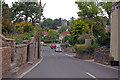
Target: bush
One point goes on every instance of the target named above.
(50, 41)
(104, 39)
(82, 48)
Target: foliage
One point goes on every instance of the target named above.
(63, 28)
(92, 42)
(7, 26)
(21, 11)
(67, 37)
(47, 23)
(52, 24)
(107, 6)
(83, 48)
(99, 27)
(51, 41)
(52, 34)
(78, 27)
(104, 39)
(88, 9)
(57, 22)
(24, 27)
(81, 38)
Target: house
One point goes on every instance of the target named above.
(115, 32)
(63, 34)
(45, 34)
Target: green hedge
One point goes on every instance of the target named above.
(82, 48)
(50, 41)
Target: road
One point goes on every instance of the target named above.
(59, 65)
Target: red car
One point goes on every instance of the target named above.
(53, 46)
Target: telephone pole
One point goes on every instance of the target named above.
(39, 45)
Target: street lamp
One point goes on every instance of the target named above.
(39, 45)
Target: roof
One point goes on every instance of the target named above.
(44, 32)
(65, 33)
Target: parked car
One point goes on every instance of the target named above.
(44, 44)
(53, 46)
(106, 46)
(58, 48)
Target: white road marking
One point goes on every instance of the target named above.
(69, 55)
(22, 75)
(91, 75)
(104, 65)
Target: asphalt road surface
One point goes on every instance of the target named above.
(59, 65)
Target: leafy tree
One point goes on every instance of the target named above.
(24, 10)
(57, 22)
(88, 10)
(52, 35)
(107, 6)
(99, 27)
(7, 26)
(62, 29)
(78, 27)
(47, 23)
(67, 37)
(104, 39)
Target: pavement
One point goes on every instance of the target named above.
(61, 65)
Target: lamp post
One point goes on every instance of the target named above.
(39, 45)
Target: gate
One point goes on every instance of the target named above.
(28, 52)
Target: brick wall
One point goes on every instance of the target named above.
(102, 55)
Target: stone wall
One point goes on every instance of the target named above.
(68, 50)
(15, 56)
(102, 55)
(6, 59)
(84, 56)
(20, 54)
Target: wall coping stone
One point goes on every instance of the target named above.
(21, 45)
(6, 39)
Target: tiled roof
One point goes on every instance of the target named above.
(44, 32)
(65, 33)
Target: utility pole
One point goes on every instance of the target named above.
(39, 45)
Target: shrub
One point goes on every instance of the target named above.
(104, 39)
(51, 41)
(17, 41)
(92, 42)
(82, 48)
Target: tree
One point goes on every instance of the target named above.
(24, 10)
(7, 26)
(62, 29)
(88, 10)
(78, 27)
(67, 37)
(107, 6)
(99, 26)
(47, 23)
(52, 35)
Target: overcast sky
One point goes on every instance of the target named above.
(57, 8)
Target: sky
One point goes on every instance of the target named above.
(57, 8)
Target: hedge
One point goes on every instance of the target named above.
(83, 48)
(50, 41)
